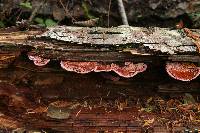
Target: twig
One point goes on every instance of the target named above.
(109, 12)
(88, 23)
(67, 12)
(122, 12)
(78, 112)
(17, 18)
(36, 10)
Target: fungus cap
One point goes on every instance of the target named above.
(182, 71)
(103, 68)
(129, 69)
(38, 61)
(79, 67)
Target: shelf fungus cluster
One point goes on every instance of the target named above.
(177, 70)
(127, 70)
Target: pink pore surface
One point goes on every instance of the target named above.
(182, 71)
(79, 67)
(128, 70)
(38, 61)
(103, 68)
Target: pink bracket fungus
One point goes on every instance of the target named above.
(38, 61)
(79, 67)
(182, 71)
(103, 68)
(127, 71)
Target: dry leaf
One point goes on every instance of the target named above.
(58, 13)
(148, 122)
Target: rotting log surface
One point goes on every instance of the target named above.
(51, 98)
(123, 43)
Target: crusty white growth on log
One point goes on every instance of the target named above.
(170, 41)
(154, 39)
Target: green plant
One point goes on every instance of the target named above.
(39, 21)
(50, 22)
(26, 5)
(86, 11)
(45, 22)
(188, 99)
(2, 25)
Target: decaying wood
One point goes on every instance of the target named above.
(104, 44)
(51, 98)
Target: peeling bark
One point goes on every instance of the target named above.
(103, 44)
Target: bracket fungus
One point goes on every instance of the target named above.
(182, 71)
(127, 70)
(78, 67)
(103, 67)
(38, 61)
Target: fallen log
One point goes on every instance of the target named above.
(45, 96)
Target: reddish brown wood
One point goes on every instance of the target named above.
(50, 97)
(90, 102)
